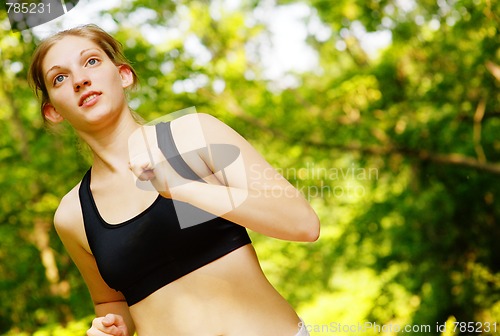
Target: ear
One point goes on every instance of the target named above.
(49, 111)
(126, 75)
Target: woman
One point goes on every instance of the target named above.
(146, 269)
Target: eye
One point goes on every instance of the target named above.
(58, 79)
(93, 61)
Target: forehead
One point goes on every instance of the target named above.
(66, 50)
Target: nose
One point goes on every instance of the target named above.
(83, 81)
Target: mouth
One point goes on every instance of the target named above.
(89, 98)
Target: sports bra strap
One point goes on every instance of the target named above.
(167, 146)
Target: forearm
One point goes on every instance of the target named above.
(276, 212)
(118, 308)
(251, 193)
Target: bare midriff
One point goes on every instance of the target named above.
(229, 297)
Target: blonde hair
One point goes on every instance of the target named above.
(106, 42)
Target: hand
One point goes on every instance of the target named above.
(111, 324)
(148, 163)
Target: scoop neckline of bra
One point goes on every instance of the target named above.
(123, 223)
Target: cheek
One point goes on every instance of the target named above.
(104, 77)
(61, 99)
(114, 83)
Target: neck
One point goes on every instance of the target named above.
(109, 144)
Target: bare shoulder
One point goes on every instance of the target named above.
(68, 210)
(194, 119)
(68, 219)
(194, 131)
(206, 126)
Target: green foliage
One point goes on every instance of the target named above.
(72, 328)
(397, 152)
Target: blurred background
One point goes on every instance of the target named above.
(385, 114)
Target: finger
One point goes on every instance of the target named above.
(95, 332)
(113, 319)
(145, 174)
(97, 328)
(113, 331)
(141, 161)
(114, 325)
(108, 320)
(142, 168)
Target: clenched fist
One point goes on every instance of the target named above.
(148, 163)
(109, 325)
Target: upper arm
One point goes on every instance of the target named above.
(232, 159)
(251, 182)
(68, 222)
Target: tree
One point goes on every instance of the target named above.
(397, 152)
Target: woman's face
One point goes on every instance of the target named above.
(84, 85)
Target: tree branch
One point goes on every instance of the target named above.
(478, 118)
(452, 159)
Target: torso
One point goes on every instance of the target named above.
(229, 296)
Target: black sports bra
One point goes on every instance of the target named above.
(145, 253)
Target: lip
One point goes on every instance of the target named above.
(86, 95)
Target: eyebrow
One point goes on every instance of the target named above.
(58, 67)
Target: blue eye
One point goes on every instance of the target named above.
(92, 61)
(58, 79)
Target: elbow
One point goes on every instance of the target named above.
(309, 227)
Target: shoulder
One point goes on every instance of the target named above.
(207, 126)
(68, 219)
(193, 122)
(196, 117)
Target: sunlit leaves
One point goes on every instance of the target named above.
(416, 242)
